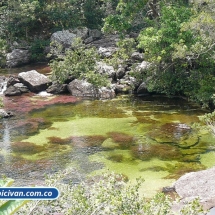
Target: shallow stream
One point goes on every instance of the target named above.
(151, 137)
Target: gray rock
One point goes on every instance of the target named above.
(130, 81)
(57, 88)
(88, 40)
(104, 69)
(120, 72)
(141, 67)
(107, 52)
(12, 91)
(123, 88)
(34, 81)
(82, 88)
(137, 56)
(197, 184)
(12, 80)
(81, 32)
(95, 33)
(142, 89)
(5, 114)
(18, 57)
(106, 93)
(21, 87)
(64, 38)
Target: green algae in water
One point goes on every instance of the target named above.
(84, 126)
(208, 159)
(154, 180)
(118, 127)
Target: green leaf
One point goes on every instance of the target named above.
(6, 182)
(11, 206)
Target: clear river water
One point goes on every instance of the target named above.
(153, 137)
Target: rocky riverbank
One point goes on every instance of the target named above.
(120, 78)
(192, 185)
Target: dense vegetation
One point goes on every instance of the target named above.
(177, 37)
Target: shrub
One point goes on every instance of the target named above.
(80, 63)
(37, 49)
(108, 194)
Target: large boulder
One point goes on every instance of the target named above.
(82, 88)
(197, 184)
(81, 32)
(35, 81)
(121, 71)
(18, 57)
(67, 37)
(64, 38)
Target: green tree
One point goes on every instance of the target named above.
(158, 42)
(181, 50)
(94, 13)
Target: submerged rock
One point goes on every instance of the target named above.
(177, 133)
(35, 81)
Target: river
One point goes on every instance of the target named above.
(153, 137)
